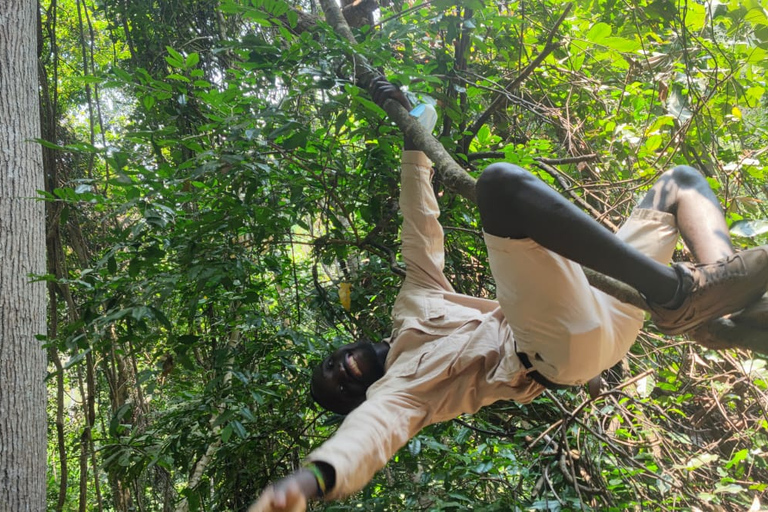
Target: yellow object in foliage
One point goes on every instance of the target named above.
(345, 296)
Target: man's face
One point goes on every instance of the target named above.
(339, 383)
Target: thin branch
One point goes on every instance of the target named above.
(568, 159)
(404, 12)
(484, 431)
(549, 47)
(558, 176)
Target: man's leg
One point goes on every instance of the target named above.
(513, 203)
(685, 193)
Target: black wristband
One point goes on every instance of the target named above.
(329, 474)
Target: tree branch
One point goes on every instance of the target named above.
(558, 176)
(450, 172)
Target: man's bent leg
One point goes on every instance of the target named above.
(731, 281)
(513, 203)
(569, 330)
(685, 193)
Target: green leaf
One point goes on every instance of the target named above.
(414, 447)
(174, 63)
(599, 32)
(293, 18)
(622, 44)
(758, 56)
(226, 433)
(695, 16)
(192, 60)
(739, 456)
(754, 94)
(653, 142)
(729, 489)
(756, 16)
(76, 358)
(698, 461)
(174, 54)
(240, 429)
(180, 78)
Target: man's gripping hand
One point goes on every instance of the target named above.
(287, 495)
(383, 90)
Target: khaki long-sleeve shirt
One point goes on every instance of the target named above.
(450, 353)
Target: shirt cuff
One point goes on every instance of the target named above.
(416, 158)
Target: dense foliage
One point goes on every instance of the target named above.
(222, 203)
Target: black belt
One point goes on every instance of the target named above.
(535, 375)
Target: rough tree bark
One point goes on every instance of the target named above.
(747, 330)
(22, 252)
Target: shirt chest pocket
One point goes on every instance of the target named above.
(422, 313)
(410, 367)
(433, 309)
(443, 317)
(437, 360)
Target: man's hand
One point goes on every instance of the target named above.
(287, 495)
(383, 90)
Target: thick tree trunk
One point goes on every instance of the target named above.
(22, 252)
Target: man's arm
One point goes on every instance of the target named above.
(373, 432)
(291, 493)
(422, 235)
(367, 438)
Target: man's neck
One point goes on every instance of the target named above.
(382, 349)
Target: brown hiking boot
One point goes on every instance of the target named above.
(713, 290)
(744, 330)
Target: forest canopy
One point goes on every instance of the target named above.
(221, 200)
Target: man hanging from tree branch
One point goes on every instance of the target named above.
(451, 354)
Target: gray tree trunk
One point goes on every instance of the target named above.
(22, 252)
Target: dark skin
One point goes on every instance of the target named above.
(334, 386)
(515, 204)
(340, 382)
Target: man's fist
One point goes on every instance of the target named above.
(276, 498)
(287, 495)
(382, 90)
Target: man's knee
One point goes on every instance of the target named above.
(499, 183)
(685, 176)
(672, 185)
(500, 190)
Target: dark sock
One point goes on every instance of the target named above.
(677, 299)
